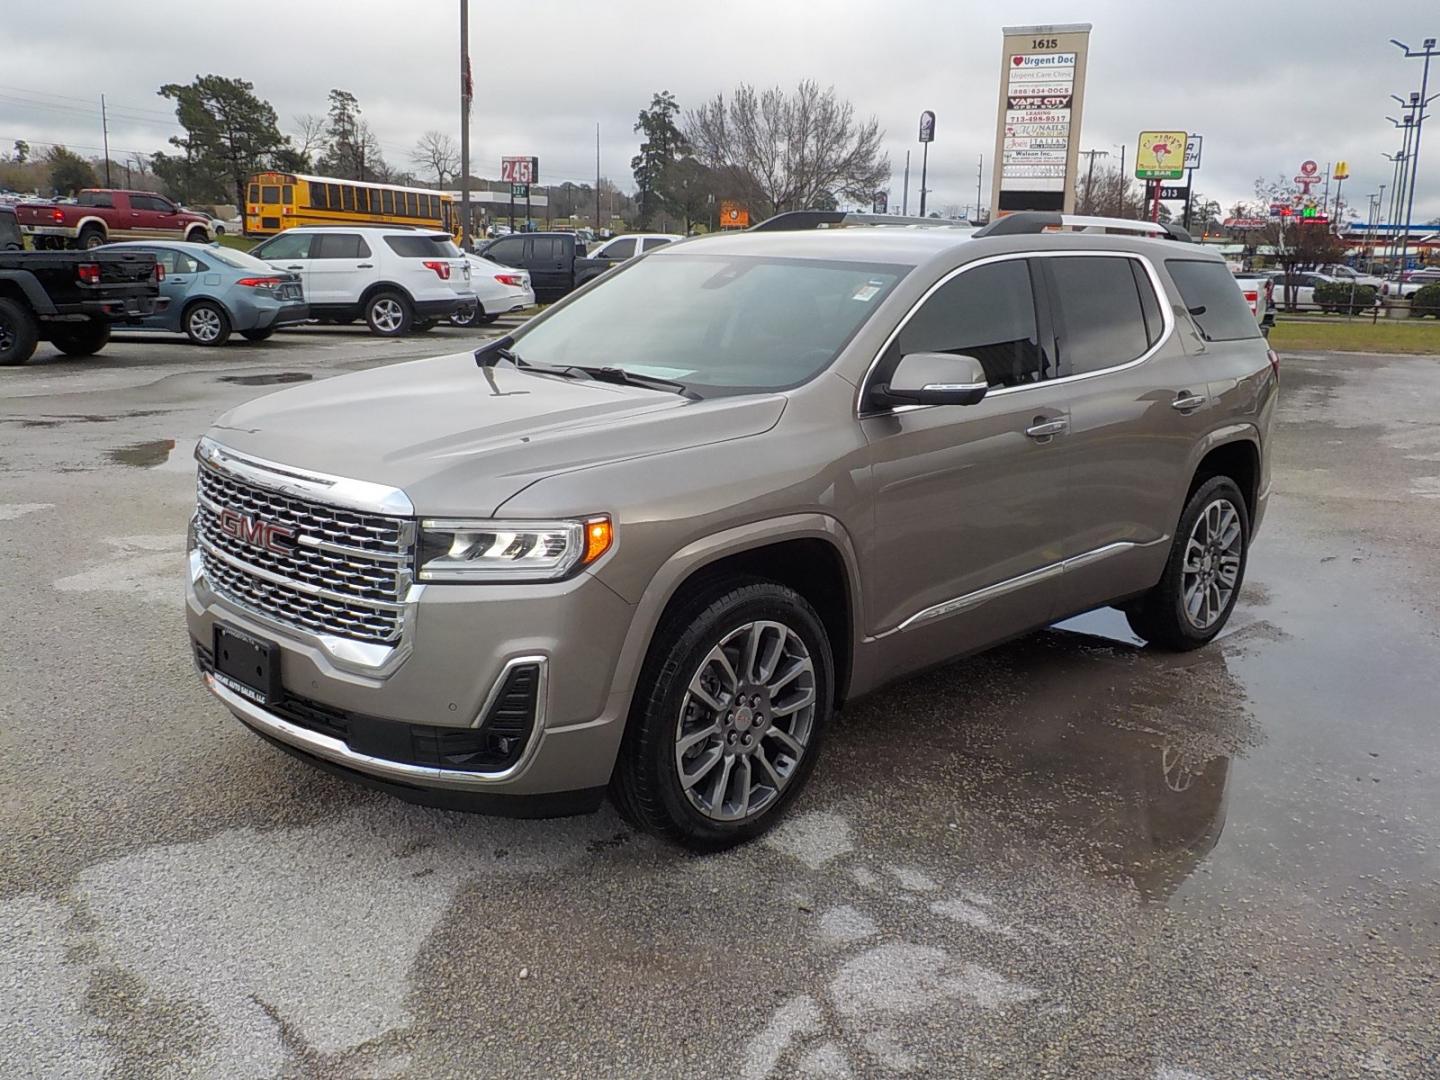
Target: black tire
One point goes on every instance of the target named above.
(81, 339)
(197, 235)
(206, 323)
(487, 319)
(1160, 616)
(91, 236)
(388, 313)
(422, 326)
(467, 315)
(18, 333)
(258, 335)
(646, 786)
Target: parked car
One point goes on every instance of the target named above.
(71, 299)
(1411, 282)
(1298, 291)
(1259, 292)
(631, 244)
(100, 215)
(396, 279)
(11, 239)
(498, 290)
(214, 292)
(1349, 275)
(555, 260)
(650, 541)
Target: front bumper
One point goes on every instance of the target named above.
(454, 652)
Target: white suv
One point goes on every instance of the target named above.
(396, 279)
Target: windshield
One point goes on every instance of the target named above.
(721, 324)
(240, 260)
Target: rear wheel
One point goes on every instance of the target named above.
(258, 335)
(81, 339)
(91, 236)
(422, 326)
(1202, 577)
(728, 716)
(466, 316)
(18, 333)
(206, 323)
(388, 314)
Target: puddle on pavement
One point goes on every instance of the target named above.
(273, 379)
(144, 455)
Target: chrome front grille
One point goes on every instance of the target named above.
(340, 572)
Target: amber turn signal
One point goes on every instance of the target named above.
(599, 535)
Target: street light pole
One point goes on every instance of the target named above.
(1420, 101)
(467, 89)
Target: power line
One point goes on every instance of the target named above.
(84, 101)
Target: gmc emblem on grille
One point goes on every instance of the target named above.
(256, 532)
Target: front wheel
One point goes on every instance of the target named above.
(81, 339)
(1202, 578)
(206, 323)
(388, 314)
(18, 333)
(728, 717)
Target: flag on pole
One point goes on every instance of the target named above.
(467, 83)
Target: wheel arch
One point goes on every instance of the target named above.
(383, 286)
(1233, 452)
(811, 553)
(86, 222)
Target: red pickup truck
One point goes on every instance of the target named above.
(100, 215)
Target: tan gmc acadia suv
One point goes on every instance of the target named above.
(652, 541)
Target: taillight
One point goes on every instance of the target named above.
(1274, 359)
(442, 269)
(514, 280)
(159, 272)
(57, 215)
(89, 273)
(261, 282)
(1252, 297)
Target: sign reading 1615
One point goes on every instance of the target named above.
(1044, 43)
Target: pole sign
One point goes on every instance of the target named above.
(927, 126)
(881, 203)
(1244, 224)
(519, 191)
(1309, 174)
(1160, 155)
(1037, 129)
(520, 170)
(1173, 192)
(1341, 170)
(1192, 151)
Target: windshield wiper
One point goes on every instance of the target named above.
(634, 378)
(492, 352)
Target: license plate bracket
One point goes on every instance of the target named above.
(247, 665)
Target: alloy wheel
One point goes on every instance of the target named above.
(7, 336)
(745, 721)
(1211, 569)
(387, 315)
(205, 324)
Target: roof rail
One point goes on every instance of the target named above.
(1037, 221)
(792, 220)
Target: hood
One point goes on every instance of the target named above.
(460, 440)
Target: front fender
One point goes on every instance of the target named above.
(698, 554)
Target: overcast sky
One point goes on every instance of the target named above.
(1267, 84)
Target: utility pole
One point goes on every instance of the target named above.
(905, 199)
(597, 178)
(979, 176)
(1422, 101)
(1089, 207)
(1124, 180)
(105, 132)
(467, 89)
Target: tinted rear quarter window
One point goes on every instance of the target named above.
(1098, 321)
(510, 251)
(1214, 300)
(654, 242)
(422, 247)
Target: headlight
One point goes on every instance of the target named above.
(459, 550)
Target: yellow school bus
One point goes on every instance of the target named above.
(276, 201)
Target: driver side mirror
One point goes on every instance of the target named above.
(929, 378)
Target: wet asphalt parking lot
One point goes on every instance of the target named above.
(1070, 857)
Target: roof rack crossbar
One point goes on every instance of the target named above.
(1036, 221)
(792, 220)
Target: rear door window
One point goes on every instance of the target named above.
(510, 251)
(289, 245)
(1213, 299)
(1099, 322)
(547, 248)
(270, 194)
(987, 313)
(339, 246)
(620, 249)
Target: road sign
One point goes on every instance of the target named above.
(1160, 155)
(1192, 151)
(520, 170)
(927, 126)
(734, 216)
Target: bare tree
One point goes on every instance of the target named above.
(436, 153)
(789, 151)
(310, 138)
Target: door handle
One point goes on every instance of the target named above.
(294, 268)
(364, 266)
(1047, 428)
(1186, 402)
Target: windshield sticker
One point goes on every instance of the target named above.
(867, 291)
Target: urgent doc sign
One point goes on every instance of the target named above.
(1042, 83)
